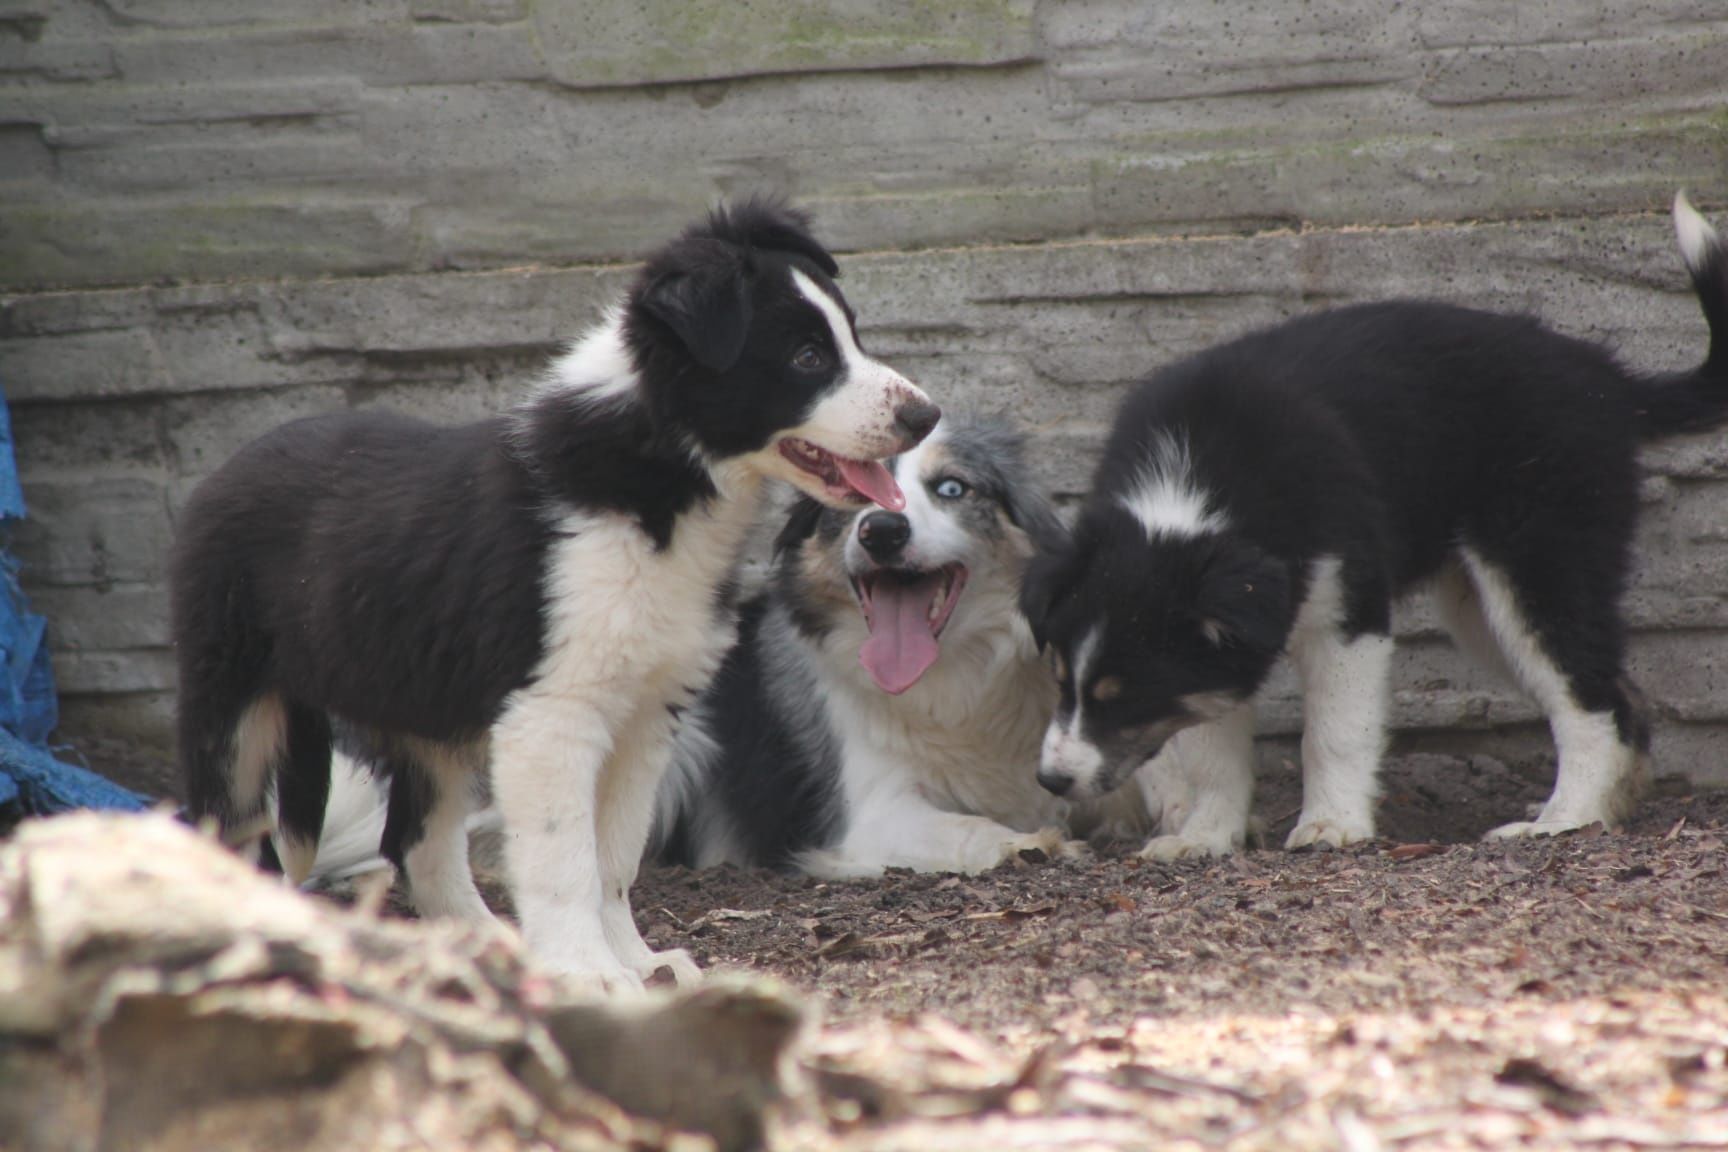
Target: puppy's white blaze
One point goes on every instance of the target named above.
(1164, 497)
(1083, 657)
(1696, 237)
(856, 419)
(597, 364)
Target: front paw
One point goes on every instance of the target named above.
(1164, 849)
(677, 961)
(1522, 829)
(1053, 842)
(1326, 832)
(607, 978)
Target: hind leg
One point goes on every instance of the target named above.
(1459, 607)
(229, 750)
(1565, 649)
(426, 828)
(302, 789)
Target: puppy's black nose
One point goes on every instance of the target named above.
(884, 534)
(914, 419)
(1054, 784)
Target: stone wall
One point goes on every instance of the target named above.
(216, 215)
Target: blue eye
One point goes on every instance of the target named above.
(949, 488)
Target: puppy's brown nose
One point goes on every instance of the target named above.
(914, 419)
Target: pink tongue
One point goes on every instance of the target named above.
(873, 481)
(902, 644)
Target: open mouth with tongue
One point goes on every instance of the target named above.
(846, 481)
(905, 612)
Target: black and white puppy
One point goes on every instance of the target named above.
(885, 703)
(1275, 494)
(544, 590)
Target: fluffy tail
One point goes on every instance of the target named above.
(1697, 400)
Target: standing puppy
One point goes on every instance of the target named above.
(1278, 492)
(546, 590)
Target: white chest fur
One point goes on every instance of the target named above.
(623, 617)
(965, 737)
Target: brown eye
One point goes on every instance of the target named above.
(1106, 689)
(809, 359)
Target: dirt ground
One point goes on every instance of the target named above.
(1407, 927)
(1421, 991)
(1426, 990)
(1555, 993)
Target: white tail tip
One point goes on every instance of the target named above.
(1697, 239)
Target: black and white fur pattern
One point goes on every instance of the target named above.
(1275, 494)
(544, 591)
(797, 758)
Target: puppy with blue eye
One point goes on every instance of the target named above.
(1277, 493)
(885, 703)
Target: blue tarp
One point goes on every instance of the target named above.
(32, 781)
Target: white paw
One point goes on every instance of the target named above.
(1325, 833)
(1168, 848)
(1053, 842)
(684, 969)
(1520, 829)
(600, 979)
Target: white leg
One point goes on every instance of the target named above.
(1598, 773)
(897, 828)
(1594, 780)
(437, 864)
(628, 786)
(1344, 686)
(547, 758)
(1200, 789)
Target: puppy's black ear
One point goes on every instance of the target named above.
(707, 306)
(1048, 578)
(1244, 599)
(800, 525)
(767, 221)
(1031, 512)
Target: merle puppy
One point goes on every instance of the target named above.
(1277, 493)
(544, 590)
(885, 702)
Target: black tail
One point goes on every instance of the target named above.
(1698, 400)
